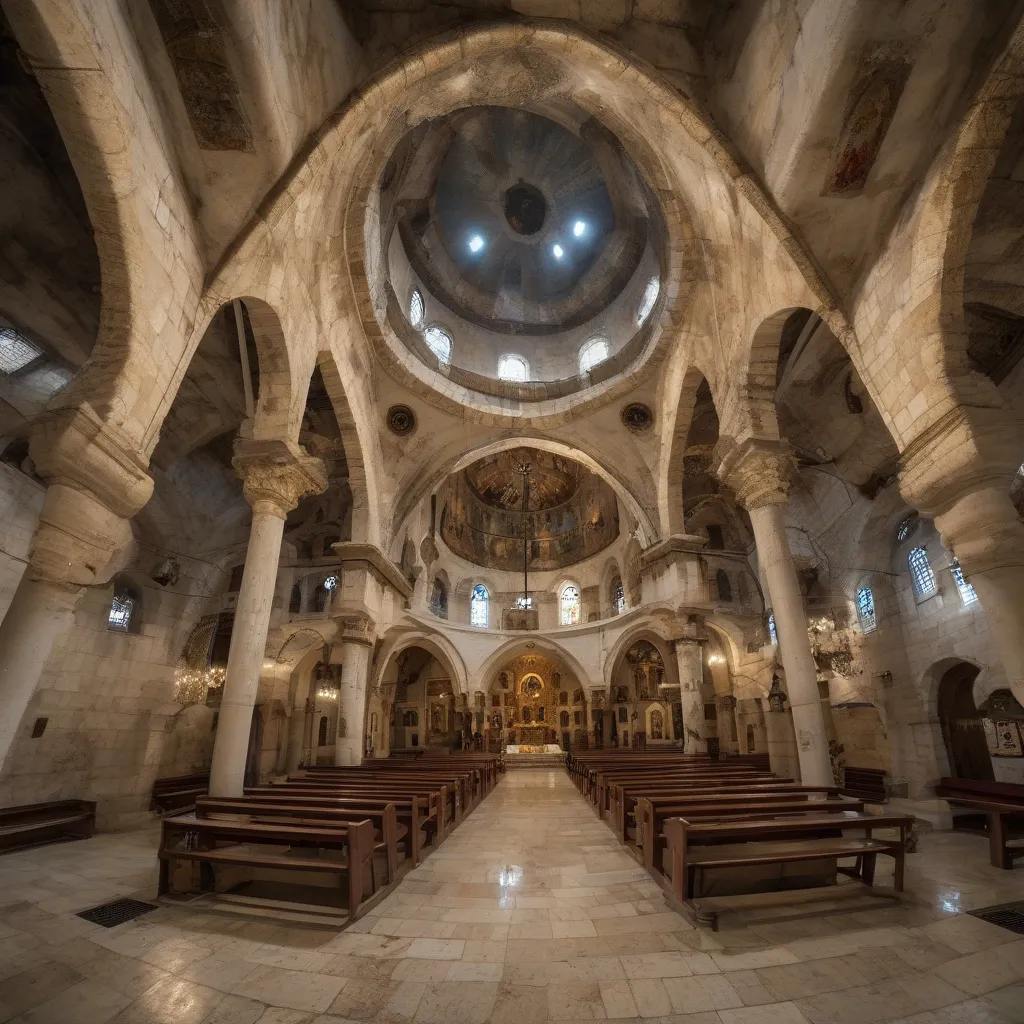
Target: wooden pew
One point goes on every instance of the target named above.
(807, 837)
(188, 838)
(652, 813)
(463, 784)
(57, 820)
(387, 830)
(179, 792)
(865, 784)
(1002, 803)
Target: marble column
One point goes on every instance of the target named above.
(96, 483)
(725, 704)
(356, 653)
(276, 475)
(757, 472)
(690, 660)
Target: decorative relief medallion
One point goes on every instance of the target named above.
(401, 420)
(637, 416)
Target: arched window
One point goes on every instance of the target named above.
(593, 352)
(416, 308)
(723, 585)
(514, 368)
(439, 341)
(921, 573)
(904, 529)
(569, 605)
(563, 719)
(618, 595)
(648, 301)
(772, 631)
(478, 606)
(866, 609)
(967, 594)
(439, 599)
(321, 739)
(123, 609)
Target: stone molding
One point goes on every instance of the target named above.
(757, 471)
(679, 547)
(355, 627)
(77, 448)
(277, 474)
(370, 558)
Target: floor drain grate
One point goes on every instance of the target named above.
(1007, 915)
(111, 914)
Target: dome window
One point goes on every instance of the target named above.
(570, 605)
(648, 301)
(416, 308)
(866, 609)
(921, 573)
(593, 352)
(478, 606)
(439, 341)
(966, 590)
(513, 368)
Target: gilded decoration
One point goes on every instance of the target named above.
(529, 715)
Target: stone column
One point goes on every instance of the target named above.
(757, 472)
(690, 659)
(97, 482)
(296, 734)
(355, 650)
(727, 736)
(276, 475)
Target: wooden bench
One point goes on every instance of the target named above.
(464, 786)
(55, 821)
(785, 840)
(216, 841)
(388, 832)
(865, 784)
(1002, 803)
(177, 793)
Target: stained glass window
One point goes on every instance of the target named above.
(772, 631)
(439, 341)
(967, 593)
(416, 308)
(478, 606)
(514, 368)
(921, 573)
(866, 609)
(593, 352)
(648, 301)
(570, 605)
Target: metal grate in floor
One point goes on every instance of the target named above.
(112, 914)
(1007, 915)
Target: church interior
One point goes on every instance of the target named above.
(513, 510)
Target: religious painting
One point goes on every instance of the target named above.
(540, 713)
(869, 112)
(577, 696)
(527, 715)
(532, 686)
(623, 715)
(563, 697)
(563, 719)
(1004, 738)
(496, 700)
(621, 695)
(503, 680)
(657, 725)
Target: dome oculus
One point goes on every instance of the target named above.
(525, 208)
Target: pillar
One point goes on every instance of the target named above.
(727, 735)
(276, 475)
(783, 755)
(296, 735)
(690, 660)
(356, 650)
(757, 472)
(96, 483)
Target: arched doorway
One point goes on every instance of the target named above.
(962, 724)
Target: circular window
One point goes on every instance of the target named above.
(525, 208)
(416, 308)
(439, 341)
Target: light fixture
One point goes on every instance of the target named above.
(715, 659)
(558, 251)
(326, 693)
(476, 243)
(578, 228)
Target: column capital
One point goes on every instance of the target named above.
(354, 627)
(757, 471)
(277, 474)
(965, 450)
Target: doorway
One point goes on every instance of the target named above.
(962, 728)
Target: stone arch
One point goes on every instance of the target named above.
(631, 572)
(670, 479)
(529, 645)
(413, 491)
(437, 644)
(610, 571)
(462, 593)
(650, 633)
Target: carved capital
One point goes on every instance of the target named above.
(757, 471)
(276, 475)
(355, 627)
(76, 448)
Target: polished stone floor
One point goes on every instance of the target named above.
(529, 912)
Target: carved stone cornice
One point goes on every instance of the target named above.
(277, 474)
(679, 547)
(757, 471)
(370, 558)
(76, 448)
